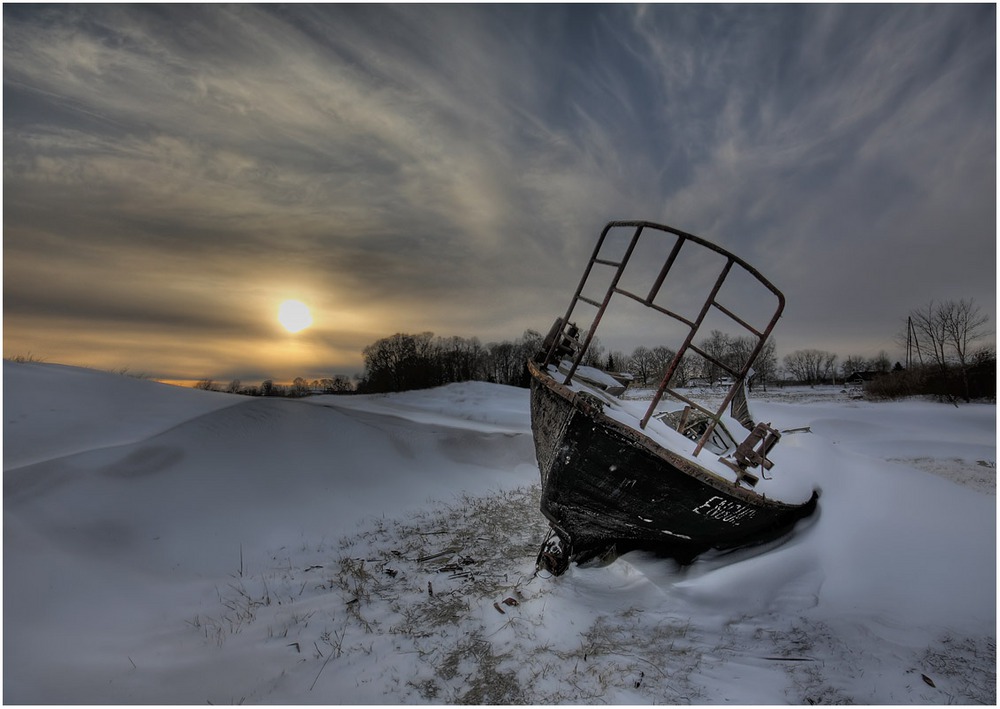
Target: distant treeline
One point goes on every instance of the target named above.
(938, 338)
(952, 369)
(299, 387)
(403, 361)
(945, 357)
(975, 380)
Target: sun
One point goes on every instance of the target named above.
(294, 315)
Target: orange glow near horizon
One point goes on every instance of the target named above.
(248, 343)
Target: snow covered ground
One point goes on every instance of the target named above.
(166, 545)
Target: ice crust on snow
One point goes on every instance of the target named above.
(165, 545)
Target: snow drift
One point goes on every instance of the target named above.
(164, 545)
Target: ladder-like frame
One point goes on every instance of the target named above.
(681, 238)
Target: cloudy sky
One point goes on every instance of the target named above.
(171, 174)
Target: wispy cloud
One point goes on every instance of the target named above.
(447, 167)
(829, 142)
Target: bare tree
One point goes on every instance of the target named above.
(852, 364)
(766, 364)
(300, 387)
(717, 345)
(946, 333)
(811, 366)
(963, 324)
(400, 362)
(337, 384)
(930, 334)
(662, 357)
(641, 364)
(881, 363)
(505, 362)
(595, 354)
(684, 371)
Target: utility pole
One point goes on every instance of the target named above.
(911, 343)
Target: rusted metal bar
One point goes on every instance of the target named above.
(579, 290)
(663, 271)
(737, 318)
(654, 306)
(711, 359)
(604, 305)
(693, 325)
(762, 338)
(693, 404)
(687, 343)
(708, 245)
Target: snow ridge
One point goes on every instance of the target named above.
(164, 546)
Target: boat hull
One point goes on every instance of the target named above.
(608, 489)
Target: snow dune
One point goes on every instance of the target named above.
(165, 545)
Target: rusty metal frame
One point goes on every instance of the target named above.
(681, 238)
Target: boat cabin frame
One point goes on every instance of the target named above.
(563, 340)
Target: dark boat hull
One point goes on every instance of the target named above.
(608, 488)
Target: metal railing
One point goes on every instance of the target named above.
(758, 334)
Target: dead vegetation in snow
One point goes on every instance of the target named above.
(445, 607)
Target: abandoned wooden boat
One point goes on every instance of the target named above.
(667, 474)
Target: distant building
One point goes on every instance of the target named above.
(862, 377)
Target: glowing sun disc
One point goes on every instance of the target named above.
(294, 315)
